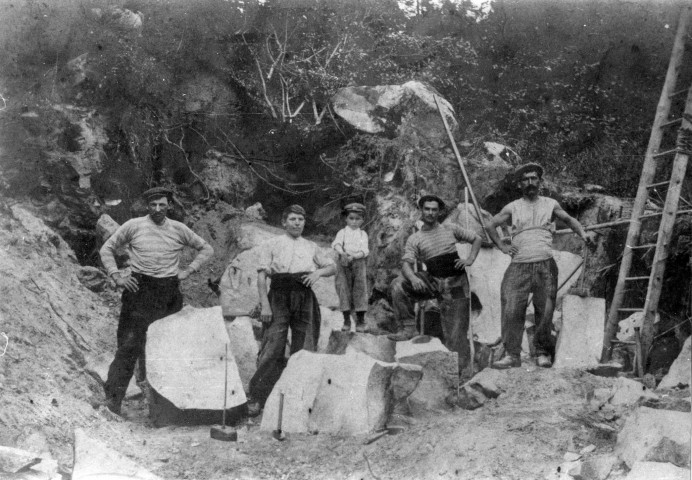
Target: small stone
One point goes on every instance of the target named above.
(571, 457)
(587, 449)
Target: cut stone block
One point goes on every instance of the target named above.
(97, 367)
(681, 369)
(580, 341)
(440, 372)
(13, 460)
(482, 387)
(655, 436)
(378, 347)
(348, 394)
(485, 278)
(628, 392)
(331, 320)
(185, 356)
(92, 459)
(243, 345)
(657, 471)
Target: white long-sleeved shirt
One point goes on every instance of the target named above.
(285, 254)
(352, 241)
(154, 250)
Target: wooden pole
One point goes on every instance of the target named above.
(463, 169)
(472, 349)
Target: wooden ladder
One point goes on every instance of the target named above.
(657, 160)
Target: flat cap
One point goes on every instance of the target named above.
(157, 192)
(431, 198)
(355, 208)
(526, 168)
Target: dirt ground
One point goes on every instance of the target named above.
(54, 325)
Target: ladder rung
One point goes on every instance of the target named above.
(667, 152)
(659, 184)
(651, 215)
(636, 278)
(645, 245)
(671, 122)
(630, 309)
(675, 94)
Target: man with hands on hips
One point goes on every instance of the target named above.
(152, 289)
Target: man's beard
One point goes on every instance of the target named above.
(530, 190)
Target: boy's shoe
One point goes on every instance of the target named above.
(346, 327)
(113, 405)
(403, 335)
(253, 409)
(544, 361)
(508, 361)
(360, 327)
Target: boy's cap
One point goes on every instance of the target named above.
(157, 192)
(431, 198)
(355, 208)
(526, 168)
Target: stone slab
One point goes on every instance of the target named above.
(657, 471)
(626, 391)
(13, 460)
(378, 347)
(597, 467)
(337, 394)
(93, 459)
(650, 435)
(185, 357)
(680, 372)
(580, 341)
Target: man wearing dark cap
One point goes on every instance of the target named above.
(445, 278)
(533, 270)
(293, 265)
(152, 287)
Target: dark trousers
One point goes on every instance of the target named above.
(352, 286)
(298, 309)
(454, 310)
(521, 280)
(155, 299)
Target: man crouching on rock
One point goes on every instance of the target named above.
(445, 278)
(152, 290)
(533, 270)
(293, 264)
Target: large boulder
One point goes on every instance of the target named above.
(681, 369)
(580, 340)
(238, 284)
(385, 108)
(348, 394)
(186, 355)
(655, 436)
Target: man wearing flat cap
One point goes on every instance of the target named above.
(445, 278)
(152, 288)
(533, 270)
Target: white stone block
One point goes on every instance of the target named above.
(580, 341)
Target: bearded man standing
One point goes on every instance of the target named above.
(533, 270)
(152, 289)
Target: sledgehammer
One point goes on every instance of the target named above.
(220, 432)
(278, 433)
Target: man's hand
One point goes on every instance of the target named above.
(417, 284)
(129, 283)
(344, 259)
(460, 264)
(266, 314)
(310, 279)
(589, 238)
(510, 250)
(184, 273)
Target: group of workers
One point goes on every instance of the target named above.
(293, 264)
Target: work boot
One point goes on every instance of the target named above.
(360, 327)
(544, 361)
(253, 409)
(403, 335)
(508, 361)
(113, 405)
(346, 327)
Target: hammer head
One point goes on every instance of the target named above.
(223, 433)
(279, 435)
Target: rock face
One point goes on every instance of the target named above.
(185, 357)
(382, 109)
(227, 178)
(655, 436)
(580, 340)
(440, 372)
(92, 459)
(680, 372)
(239, 282)
(347, 394)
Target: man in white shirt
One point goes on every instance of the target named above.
(533, 270)
(152, 289)
(293, 264)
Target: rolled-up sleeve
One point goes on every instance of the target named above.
(321, 258)
(410, 251)
(463, 235)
